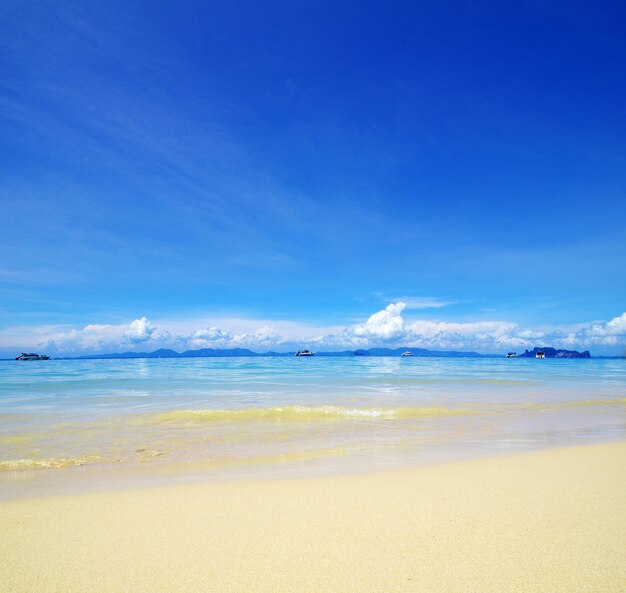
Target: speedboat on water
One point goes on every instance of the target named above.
(407, 353)
(32, 356)
(305, 353)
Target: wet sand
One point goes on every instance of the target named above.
(552, 521)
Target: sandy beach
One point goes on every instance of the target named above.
(545, 521)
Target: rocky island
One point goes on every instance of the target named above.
(555, 353)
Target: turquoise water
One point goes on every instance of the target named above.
(251, 416)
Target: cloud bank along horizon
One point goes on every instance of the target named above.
(389, 327)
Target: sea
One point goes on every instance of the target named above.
(71, 425)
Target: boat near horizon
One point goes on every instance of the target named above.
(305, 353)
(32, 356)
(407, 353)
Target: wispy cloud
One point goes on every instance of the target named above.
(421, 302)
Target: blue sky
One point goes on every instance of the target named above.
(274, 174)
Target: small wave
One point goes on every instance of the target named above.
(15, 418)
(13, 439)
(573, 403)
(614, 401)
(49, 463)
(300, 414)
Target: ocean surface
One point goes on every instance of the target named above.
(68, 423)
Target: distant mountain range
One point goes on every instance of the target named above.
(224, 352)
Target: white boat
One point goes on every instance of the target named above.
(540, 354)
(511, 355)
(407, 353)
(305, 353)
(32, 356)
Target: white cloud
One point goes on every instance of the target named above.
(388, 327)
(143, 330)
(214, 337)
(91, 337)
(596, 333)
(617, 325)
(264, 337)
(209, 337)
(95, 337)
(385, 325)
(210, 334)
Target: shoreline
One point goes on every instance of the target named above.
(93, 479)
(550, 520)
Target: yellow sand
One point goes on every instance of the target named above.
(550, 522)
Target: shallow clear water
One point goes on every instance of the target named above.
(252, 416)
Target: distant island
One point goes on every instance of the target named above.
(554, 353)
